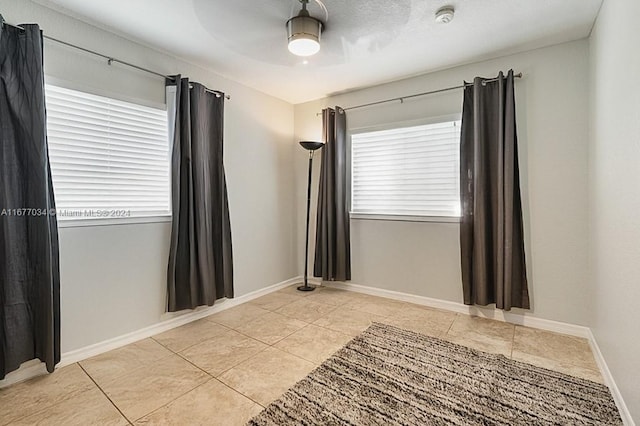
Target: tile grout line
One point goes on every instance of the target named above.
(184, 393)
(334, 331)
(388, 316)
(240, 393)
(105, 394)
(287, 352)
(347, 306)
(571, 362)
(241, 362)
(196, 366)
(316, 319)
(288, 317)
(227, 329)
(299, 299)
(134, 369)
(66, 395)
(174, 400)
(172, 352)
(451, 325)
(254, 355)
(265, 343)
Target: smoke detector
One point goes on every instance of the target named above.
(444, 15)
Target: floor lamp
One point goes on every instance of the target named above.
(312, 147)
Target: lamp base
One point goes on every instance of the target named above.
(306, 288)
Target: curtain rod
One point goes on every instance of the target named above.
(402, 98)
(110, 60)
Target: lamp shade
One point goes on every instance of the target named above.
(303, 33)
(311, 145)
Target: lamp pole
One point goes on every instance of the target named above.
(312, 147)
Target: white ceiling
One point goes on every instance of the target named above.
(365, 42)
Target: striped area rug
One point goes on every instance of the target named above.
(390, 376)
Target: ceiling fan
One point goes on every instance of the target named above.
(304, 31)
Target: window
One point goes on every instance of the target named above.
(409, 171)
(109, 159)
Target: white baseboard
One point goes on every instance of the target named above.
(496, 314)
(35, 368)
(609, 381)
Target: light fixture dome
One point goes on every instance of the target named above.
(303, 33)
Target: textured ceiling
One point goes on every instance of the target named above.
(350, 30)
(364, 43)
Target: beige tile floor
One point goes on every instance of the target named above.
(224, 369)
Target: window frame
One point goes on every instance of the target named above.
(390, 126)
(80, 222)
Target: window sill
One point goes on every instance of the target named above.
(403, 218)
(80, 223)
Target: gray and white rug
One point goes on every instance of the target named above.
(390, 376)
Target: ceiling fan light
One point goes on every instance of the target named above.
(303, 46)
(303, 33)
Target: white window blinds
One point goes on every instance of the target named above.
(109, 158)
(411, 171)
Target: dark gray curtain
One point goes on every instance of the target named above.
(29, 271)
(333, 241)
(491, 230)
(200, 257)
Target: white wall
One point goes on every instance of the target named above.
(114, 277)
(614, 183)
(423, 258)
